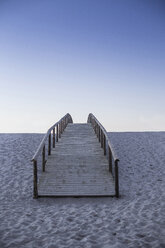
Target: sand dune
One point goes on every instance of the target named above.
(136, 219)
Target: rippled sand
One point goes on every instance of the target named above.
(136, 219)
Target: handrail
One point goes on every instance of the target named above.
(46, 136)
(106, 135)
(60, 127)
(105, 143)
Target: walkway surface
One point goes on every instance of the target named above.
(77, 166)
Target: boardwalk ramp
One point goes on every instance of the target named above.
(76, 164)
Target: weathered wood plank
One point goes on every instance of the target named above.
(77, 166)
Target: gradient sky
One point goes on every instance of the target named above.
(80, 56)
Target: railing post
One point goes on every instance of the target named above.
(101, 138)
(104, 144)
(54, 137)
(61, 126)
(43, 158)
(60, 129)
(95, 126)
(116, 178)
(49, 145)
(57, 133)
(110, 159)
(99, 133)
(35, 189)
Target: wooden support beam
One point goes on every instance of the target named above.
(53, 137)
(101, 138)
(116, 178)
(43, 158)
(97, 131)
(62, 123)
(35, 188)
(99, 134)
(110, 159)
(49, 145)
(57, 133)
(60, 130)
(104, 144)
(65, 123)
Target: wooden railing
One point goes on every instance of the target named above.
(51, 137)
(108, 151)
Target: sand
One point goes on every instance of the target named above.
(136, 219)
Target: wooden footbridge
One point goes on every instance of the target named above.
(77, 160)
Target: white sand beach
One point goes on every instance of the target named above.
(136, 219)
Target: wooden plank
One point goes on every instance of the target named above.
(77, 166)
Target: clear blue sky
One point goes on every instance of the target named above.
(80, 56)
